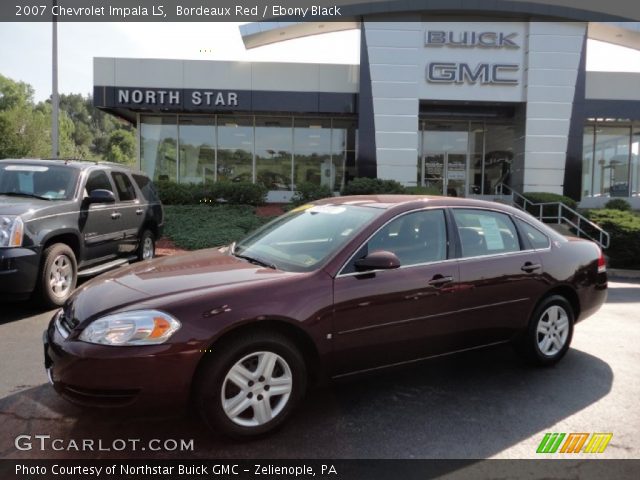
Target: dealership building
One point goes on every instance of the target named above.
(458, 101)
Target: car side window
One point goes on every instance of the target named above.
(97, 180)
(125, 189)
(537, 239)
(415, 238)
(147, 188)
(484, 232)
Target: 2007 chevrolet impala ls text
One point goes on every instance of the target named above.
(339, 286)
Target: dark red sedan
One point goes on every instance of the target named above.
(340, 286)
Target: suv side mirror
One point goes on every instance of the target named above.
(378, 260)
(100, 195)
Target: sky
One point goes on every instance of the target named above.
(26, 49)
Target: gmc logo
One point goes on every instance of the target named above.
(483, 73)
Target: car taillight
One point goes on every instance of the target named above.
(602, 263)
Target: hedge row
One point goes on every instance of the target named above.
(240, 193)
(624, 229)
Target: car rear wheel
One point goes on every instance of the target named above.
(147, 247)
(550, 331)
(250, 385)
(58, 276)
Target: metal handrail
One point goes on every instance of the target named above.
(573, 218)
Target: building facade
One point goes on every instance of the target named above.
(459, 104)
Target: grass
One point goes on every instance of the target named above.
(203, 226)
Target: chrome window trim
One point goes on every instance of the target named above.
(421, 209)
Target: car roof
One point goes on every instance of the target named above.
(412, 201)
(74, 163)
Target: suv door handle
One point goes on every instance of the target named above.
(439, 280)
(116, 215)
(530, 267)
(139, 211)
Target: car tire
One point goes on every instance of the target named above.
(147, 246)
(549, 333)
(235, 398)
(58, 276)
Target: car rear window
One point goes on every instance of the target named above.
(536, 238)
(147, 187)
(485, 232)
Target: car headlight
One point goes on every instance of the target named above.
(140, 327)
(11, 231)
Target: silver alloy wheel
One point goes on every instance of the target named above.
(256, 389)
(61, 276)
(553, 330)
(147, 248)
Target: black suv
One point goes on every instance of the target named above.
(63, 219)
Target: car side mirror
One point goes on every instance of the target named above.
(378, 260)
(100, 195)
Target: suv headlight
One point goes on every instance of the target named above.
(140, 327)
(11, 231)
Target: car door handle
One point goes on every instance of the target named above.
(116, 215)
(139, 211)
(530, 267)
(439, 280)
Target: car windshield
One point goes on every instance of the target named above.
(303, 239)
(47, 182)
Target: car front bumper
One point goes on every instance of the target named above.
(91, 375)
(18, 272)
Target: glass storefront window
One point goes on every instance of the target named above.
(159, 147)
(635, 167)
(476, 152)
(587, 160)
(235, 149)
(344, 140)
(498, 156)
(611, 161)
(274, 145)
(312, 152)
(197, 149)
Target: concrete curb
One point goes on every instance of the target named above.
(622, 273)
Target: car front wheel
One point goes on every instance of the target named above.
(250, 385)
(549, 333)
(58, 276)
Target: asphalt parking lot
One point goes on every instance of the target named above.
(475, 405)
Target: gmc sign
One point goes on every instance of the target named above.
(483, 73)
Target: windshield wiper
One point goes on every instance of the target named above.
(23, 194)
(256, 261)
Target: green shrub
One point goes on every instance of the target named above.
(199, 226)
(241, 193)
(372, 186)
(545, 197)
(624, 229)
(423, 190)
(308, 192)
(618, 204)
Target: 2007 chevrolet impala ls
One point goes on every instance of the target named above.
(339, 286)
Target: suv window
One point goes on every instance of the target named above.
(536, 238)
(98, 180)
(419, 237)
(483, 232)
(126, 192)
(147, 187)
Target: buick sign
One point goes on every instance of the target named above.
(439, 38)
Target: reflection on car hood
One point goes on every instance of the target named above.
(10, 205)
(196, 271)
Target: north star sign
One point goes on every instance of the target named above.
(157, 97)
(461, 72)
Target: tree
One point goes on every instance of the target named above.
(121, 147)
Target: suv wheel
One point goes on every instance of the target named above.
(58, 276)
(147, 247)
(250, 385)
(549, 333)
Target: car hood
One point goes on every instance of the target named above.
(10, 205)
(178, 274)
